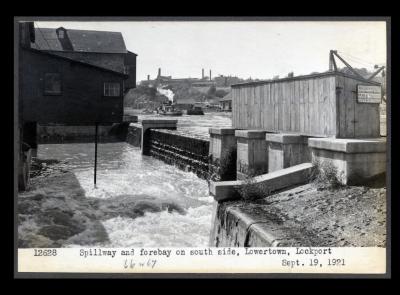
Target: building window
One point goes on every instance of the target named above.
(52, 84)
(61, 34)
(126, 70)
(111, 89)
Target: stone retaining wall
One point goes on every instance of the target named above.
(134, 134)
(185, 150)
(239, 224)
(61, 133)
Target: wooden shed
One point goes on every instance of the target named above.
(322, 105)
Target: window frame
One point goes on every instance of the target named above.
(45, 92)
(61, 34)
(112, 82)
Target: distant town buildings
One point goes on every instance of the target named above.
(204, 81)
(226, 102)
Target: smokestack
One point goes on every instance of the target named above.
(202, 73)
(210, 75)
(159, 72)
(148, 77)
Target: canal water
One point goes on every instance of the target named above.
(123, 171)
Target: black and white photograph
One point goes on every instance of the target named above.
(212, 135)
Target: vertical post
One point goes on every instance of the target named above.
(95, 153)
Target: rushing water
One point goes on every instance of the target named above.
(122, 171)
(197, 123)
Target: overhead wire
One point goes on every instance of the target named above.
(360, 60)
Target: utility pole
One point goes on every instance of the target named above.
(95, 152)
(334, 53)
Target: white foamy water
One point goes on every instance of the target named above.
(123, 173)
(162, 229)
(198, 124)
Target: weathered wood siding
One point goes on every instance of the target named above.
(304, 106)
(355, 120)
(314, 105)
(81, 99)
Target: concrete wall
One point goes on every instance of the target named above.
(237, 224)
(383, 119)
(160, 139)
(356, 161)
(134, 136)
(223, 149)
(72, 133)
(286, 150)
(184, 150)
(252, 153)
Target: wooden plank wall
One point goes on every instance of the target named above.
(355, 120)
(306, 106)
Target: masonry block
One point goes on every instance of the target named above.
(252, 153)
(134, 134)
(154, 124)
(356, 160)
(286, 150)
(222, 150)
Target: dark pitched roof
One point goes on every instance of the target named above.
(227, 97)
(81, 40)
(51, 55)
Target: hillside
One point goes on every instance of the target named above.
(143, 97)
(149, 97)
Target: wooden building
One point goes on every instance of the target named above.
(68, 82)
(57, 89)
(225, 103)
(101, 48)
(322, 105)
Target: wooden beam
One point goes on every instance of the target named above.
(334, 63)
(376, 73)
(349, 66)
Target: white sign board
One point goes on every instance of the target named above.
(369, 94)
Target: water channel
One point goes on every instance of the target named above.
(122, 171)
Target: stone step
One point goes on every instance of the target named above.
(277, 180)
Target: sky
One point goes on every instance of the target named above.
(256, 49)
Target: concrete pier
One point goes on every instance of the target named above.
(356, 160)
(223, 149)
(154, 124)
(252, 153)
(286, 150)
(134, 134)
(222, 140)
